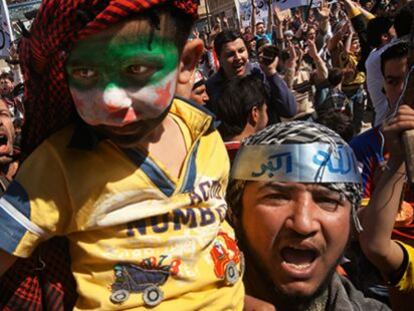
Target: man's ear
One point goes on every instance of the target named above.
(254, 116)
(190, 57)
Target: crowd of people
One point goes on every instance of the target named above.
(147, 165)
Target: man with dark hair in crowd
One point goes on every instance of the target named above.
(7, 93)
(242, 111)
(335, 111)
(7, 136)
(336, 98)
(293, 213)
(380, 32)
(375, 79)
(234, 62)
(6, 84)
(370, 150)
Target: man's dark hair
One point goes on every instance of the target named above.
(260, 43)
(403, 20)
(259, 23)
(224, 37)
(396, 51)
(238, 98)
(337, 121)
(335, 76)
(376, 28)
(7, 75)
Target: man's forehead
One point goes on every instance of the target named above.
(390, 69)
(236, 44)
(294, 186)
(3, 105)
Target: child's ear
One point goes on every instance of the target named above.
(190, 57)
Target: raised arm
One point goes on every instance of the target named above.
(379, 217)
(321, 68)
(324, 10)
(269, 17)
(279, 28)
(253, 2)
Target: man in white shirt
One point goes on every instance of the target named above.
(381, 33)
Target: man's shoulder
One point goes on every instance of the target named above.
(344, 296)
(370, 137)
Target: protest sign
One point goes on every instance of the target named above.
(6, 35)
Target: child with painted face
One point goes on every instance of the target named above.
(134, 182)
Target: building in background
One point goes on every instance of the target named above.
(223, 8)
(209, 10)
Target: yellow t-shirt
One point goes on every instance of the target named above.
(138, 237)
(406, 284)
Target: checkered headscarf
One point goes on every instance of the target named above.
(59, 24)
(297, 132)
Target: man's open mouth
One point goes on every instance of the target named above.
(238, 67)
(299, 257)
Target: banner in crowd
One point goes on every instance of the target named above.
(6, 35)
(244, 8)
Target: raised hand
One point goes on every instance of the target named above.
(324, 10)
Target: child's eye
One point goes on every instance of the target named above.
(84, 73)
(138, 69)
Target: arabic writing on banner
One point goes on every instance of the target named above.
(245, 8)
(5, 30)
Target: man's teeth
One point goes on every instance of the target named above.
(298, 266)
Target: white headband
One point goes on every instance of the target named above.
(306, 163)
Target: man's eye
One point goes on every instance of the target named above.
(277, 198)
(84, 73)
(328, 204)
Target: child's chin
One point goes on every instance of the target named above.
(129, 135)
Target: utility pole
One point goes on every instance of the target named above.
(208, 14)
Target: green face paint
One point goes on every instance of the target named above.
(117, 82)
(123, 63)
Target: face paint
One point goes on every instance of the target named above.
(118, 83)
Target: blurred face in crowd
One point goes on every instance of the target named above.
(119, 84)
(395, 71)
(252, 45)
(369, 5)
(296, 234)
(260, 29)
(355, 46)
(199, 95)
(6, 86)
(233, 58)
(386, 38)
(7, 134)
(311, 34)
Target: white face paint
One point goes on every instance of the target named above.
(119, 106)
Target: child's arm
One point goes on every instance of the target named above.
(379, 217)
(6, 261)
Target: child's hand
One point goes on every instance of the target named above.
(393, 129)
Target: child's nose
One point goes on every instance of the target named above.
(116, 97)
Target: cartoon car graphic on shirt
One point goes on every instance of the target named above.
(146, 279)
(226, 259)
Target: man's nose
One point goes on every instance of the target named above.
(303, 219)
